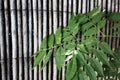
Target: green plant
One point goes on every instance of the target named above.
(80, 48)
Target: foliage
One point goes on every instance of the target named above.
(79, 48)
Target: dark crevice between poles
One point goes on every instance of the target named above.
(47, 27)
(10, 42)
(77, 5)
(37, 34)
(52, 31)
(89, 6)
(32, 40)
(22, 41)
(67, 12)
(27, 60)
(81, 6)
(41, 29)
(72, 6)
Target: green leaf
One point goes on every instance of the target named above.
(116, 63)
(72, 22)
(117, 25)
(78, 16)
(75, 77)
(119, 76)
(71, 69)
(114, 16)
(117, 50)
(89, 48)
(90, 41)
(106, 48)
(75, 29)
(39, 58)
(68, 38)
(51, 40)
(97, 66)
(81, 58)
(44, 43)
(35, 54)
(117, 53)
(60, 57)
(91, 31)
(81, 47)
(86, 26)
(46, 59)
(97, 18)
(83, 76)
(66, 32)
(70, 46)
(94, 12)
(101, 56)
(83, 19)
(101, 24)
(110, 72)
(58, 36)
(90, 72)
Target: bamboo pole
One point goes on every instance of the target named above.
(20, 39)
(30, 38)
(14, 36)
(2, 40)
(40, 17)
(44, 32)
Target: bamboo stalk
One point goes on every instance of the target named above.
(30, 23)
(2, 41)
(14, 36)
(35, 32)
(20, 38)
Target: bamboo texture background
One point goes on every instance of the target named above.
(24, 23)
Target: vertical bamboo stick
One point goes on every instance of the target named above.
(14, 36)
(54, 65)
(55, 25)
(35, 32)
(84, 6)
(44, 32)
(30, 38)
(2, 40)
(39, 31)
(20, 38)
(74, 7)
